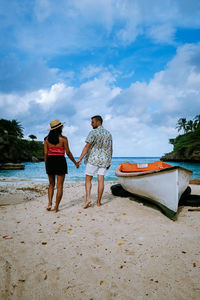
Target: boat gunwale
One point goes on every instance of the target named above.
(142, 173)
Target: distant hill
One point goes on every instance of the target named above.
(187, 145)
(14, 148)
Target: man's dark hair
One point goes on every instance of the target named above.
(98, 118)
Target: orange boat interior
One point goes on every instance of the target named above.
(157, 165)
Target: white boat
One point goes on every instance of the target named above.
(158, 182)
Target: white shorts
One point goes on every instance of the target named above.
(93, 170)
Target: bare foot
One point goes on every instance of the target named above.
(55, 209)
(87, 204)
(49, 207)
(99, 204)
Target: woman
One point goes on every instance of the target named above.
(55, 147)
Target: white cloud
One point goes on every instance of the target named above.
(74, 25)
(70, 104)
(42, 9)
(13, 105)
(29, 77)
(141, 118)
(57, 92)
(90, 71)
(162, 33)
(128, 75)
(70, 130)
(170, 92)
(148, 112)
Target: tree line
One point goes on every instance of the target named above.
(188, 126)
(13, 128)
(14, 147)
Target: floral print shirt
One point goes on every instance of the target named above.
(100, 141)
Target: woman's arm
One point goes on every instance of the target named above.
(68, 152)
(45, 151)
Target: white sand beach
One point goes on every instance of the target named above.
(121, 250)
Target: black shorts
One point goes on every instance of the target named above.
(56, 165)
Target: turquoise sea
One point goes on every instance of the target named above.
(36, 171)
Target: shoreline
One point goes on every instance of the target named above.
(37, 170)
(18, 190)
(9, 179)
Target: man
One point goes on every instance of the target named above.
(98, 155)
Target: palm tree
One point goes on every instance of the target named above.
(189, 126)
(181, 124)
(4, 126)
(11, 127)
(17, 129)
(172, 141)
(197, 122)
(32, 137)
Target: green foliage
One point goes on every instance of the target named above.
(172, 141)
(188, 126)
(15, 149)
(11, 128)
(32, 137)
(32, 148)
(187, 143)
(181, 124)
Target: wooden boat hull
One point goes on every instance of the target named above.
(12, 166)
(162, 187)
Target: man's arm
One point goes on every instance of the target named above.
(84, 151)
(111, 153)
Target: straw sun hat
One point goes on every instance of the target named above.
(55, 124)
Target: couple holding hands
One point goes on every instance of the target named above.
(97, 152)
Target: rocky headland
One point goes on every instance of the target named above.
(186, 147)
(182, 156)
(16, 150)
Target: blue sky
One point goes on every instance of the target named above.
(135, 62)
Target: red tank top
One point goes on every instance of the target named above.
(56, 151)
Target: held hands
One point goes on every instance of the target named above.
(78, 163)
